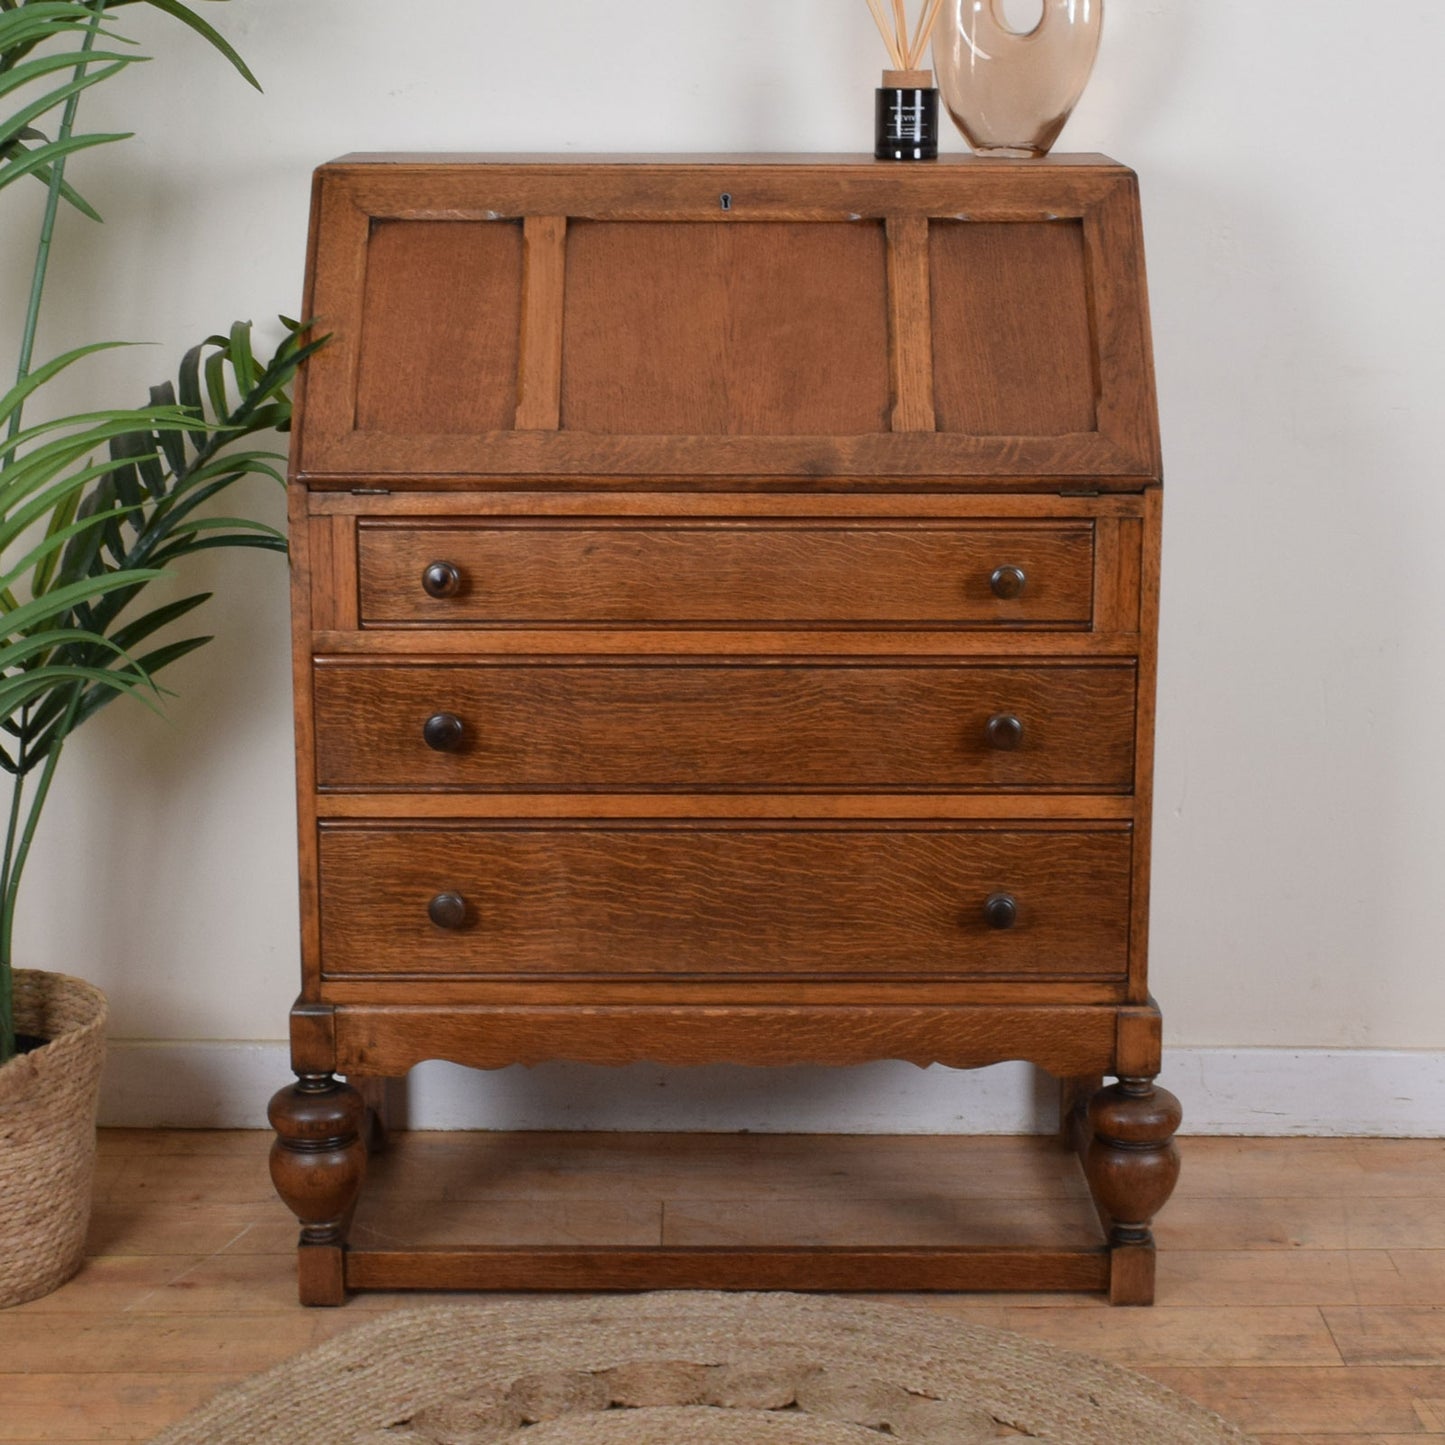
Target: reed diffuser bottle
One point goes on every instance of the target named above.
(906, 104)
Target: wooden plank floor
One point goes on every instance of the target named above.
(1301, 1282)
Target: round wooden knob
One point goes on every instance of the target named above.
(1008, 582)
(443, 732)
(447, 910)
(1001, 910)
(1004, 731)
(441, 579)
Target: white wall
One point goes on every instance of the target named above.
(1295, 228)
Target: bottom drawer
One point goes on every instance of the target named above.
(930, 900)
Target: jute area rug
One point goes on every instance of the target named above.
(674, 1369)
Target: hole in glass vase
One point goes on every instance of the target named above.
(1023, 17)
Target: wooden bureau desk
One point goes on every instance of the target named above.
(725, 598)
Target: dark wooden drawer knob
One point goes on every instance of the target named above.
(1008, 582)
(443, 732)
(1000, 910)
(447, 910)
(1004, 731)
(441, 579)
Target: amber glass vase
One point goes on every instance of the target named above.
(1011, 91)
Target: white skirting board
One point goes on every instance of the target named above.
(1376, 1092)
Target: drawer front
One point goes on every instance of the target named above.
(723, 726)
(747, 573)
(741, 900)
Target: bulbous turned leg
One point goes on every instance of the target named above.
(317, 1165)
(1132, 1167)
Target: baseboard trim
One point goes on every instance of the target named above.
(1332, 1092)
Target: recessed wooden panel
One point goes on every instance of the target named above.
(680, 727)
(745, 573)
(440, 338)
(906, 902)
(1012, 345)
(707, 329)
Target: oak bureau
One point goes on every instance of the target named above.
(725, 595)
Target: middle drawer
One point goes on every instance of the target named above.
(727, 725)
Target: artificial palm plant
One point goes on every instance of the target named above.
(96, 506)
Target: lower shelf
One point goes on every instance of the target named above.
(833, 1268)
(519, 1212)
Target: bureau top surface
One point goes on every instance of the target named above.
(725, 320)
(797, 160)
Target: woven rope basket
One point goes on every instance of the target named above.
(47, 1133)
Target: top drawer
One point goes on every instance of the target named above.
(749, 573)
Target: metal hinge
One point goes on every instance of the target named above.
(371, 491)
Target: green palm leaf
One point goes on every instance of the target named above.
(38, 162)
(21, 691)
(54, 542)
(59, 601)
(22, 29)
(13, 400)
(66, 507)
(11, 129)
(142, 627)
(38, 644)
(187, 16)
(45, 464)
(28, 71)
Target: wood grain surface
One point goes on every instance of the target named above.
(660, 1267)
(905, 901)
(390, 1039)
(818, 643)
(591, 498)
(539, 381)
(910, 330)
(447, 297)
(746, 573)
(1030, 995)
(865, 462)
(1012, 343)
(688, 330)
(706, 725)
(796, 807)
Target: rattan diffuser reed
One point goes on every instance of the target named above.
(905, 50)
